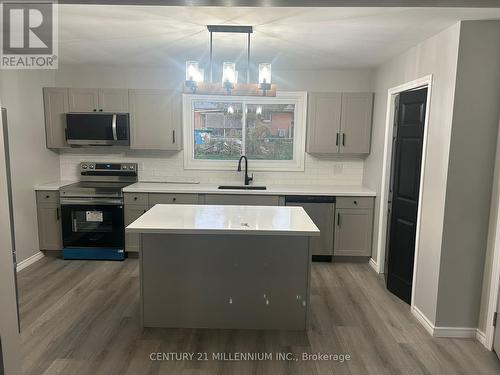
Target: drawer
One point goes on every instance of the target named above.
(136, 198)
(47, 196)
(242, 200)
(354, 202)
(156, 198)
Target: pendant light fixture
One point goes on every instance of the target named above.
(229, 83)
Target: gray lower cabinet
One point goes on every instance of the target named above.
(49, 220)
(353, 226)
(137, 204)
(161, 198)
(242, 199)
(131, 213)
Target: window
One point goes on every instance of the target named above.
(270, 132)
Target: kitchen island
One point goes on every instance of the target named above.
(235, 267)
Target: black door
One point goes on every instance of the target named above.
(403, 197)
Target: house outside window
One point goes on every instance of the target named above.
(269, 131)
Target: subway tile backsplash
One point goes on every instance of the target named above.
(168, 167)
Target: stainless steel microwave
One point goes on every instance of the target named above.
(98, 129)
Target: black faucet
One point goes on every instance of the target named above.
(247, 178)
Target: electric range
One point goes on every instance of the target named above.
(92, 211)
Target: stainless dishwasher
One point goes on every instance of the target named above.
(321, 209)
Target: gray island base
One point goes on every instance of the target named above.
(246, 268)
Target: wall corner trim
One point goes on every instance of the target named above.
(29, 261)
(422, 319)
(448, 332)
(374, 265)
(481, 337)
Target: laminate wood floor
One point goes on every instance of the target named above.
(82, 317)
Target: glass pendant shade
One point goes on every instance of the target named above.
(265, 73)
(192, 71)
(229, 73)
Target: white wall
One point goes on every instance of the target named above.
(437, 56)
(31, 162)
(168, 166)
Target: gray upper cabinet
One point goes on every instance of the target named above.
(98, 100)
(339, 123)
(56, 105)
(323, 122)
(83, 100)
(356, 123)
(113, 100)
(49, 220)
(155, 119)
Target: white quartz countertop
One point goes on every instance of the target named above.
(55, 185)
(215, 219)
(324, 190)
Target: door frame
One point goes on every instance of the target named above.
(494, 281)
(422, 82)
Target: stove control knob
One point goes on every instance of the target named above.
(124, 167)
(131, 167)
(84, 166)
(91, 166)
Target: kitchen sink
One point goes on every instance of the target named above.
(242, 187)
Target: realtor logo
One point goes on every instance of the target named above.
(29, 35)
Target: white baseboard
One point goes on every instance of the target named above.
(481, 337)
(450, 332)
(29, 261)
(428, 325)
(455, 332)
(373, 265)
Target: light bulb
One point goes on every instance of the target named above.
(192, 70)
(265, 73)
(229, 73)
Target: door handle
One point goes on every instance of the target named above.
(338, 220)
(113, 127)
(173, 136)
(343, 139)
(337, 140)
(58, 215)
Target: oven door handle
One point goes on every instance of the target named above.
(113, 127)
(91, 201)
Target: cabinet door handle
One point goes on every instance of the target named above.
(173, 136)
(58, 215)
(337, 140)
(343, 139)
(338, 219)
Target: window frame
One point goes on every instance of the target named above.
(298, 98)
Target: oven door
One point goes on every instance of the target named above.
(92, 223)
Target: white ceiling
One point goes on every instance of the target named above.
(291, 38)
